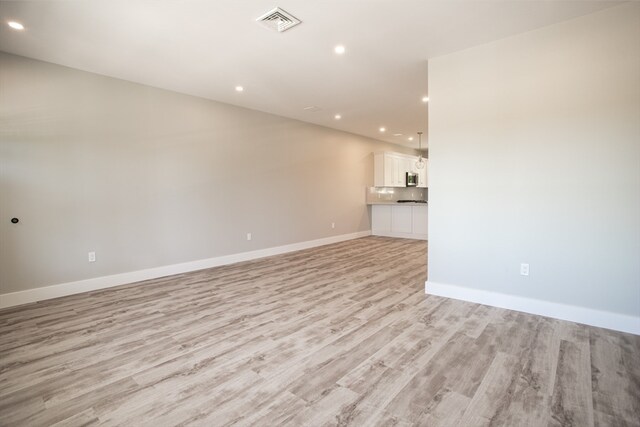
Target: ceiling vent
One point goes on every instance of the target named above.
(278, 19)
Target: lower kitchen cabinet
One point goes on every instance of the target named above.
(419, 220)
(399, 221)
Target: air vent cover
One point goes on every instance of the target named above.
(278, 19)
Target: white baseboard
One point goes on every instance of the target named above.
(63, 289)
(400, 235)
(587, 316)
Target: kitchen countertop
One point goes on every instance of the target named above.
(384, 202)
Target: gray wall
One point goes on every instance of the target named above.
(147, 177)
(535, 158)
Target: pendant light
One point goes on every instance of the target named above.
(420, 164)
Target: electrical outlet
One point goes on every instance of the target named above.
(333, 225)
(91, 256)
(524, 269)
(248, 236)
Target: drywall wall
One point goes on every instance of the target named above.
(146, 177)
(534, 153)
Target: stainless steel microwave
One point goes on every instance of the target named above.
(412, 179)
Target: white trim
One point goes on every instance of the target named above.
(400, 235)
(63, 289)
(587, 316)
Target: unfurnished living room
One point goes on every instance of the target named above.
(319, 213)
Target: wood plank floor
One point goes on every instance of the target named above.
(337, 335)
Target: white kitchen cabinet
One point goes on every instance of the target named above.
(386, 168)
(407, 221)
(396, 167)
(390, 169)
(407, 166)
(419, 220)
(397, 170)
(381, 218)
(401, 221)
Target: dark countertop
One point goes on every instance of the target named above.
(385, 202)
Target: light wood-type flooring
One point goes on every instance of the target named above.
(340, 335)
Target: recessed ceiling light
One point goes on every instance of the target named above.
(383, 129)
(410, 138)
(337, 117)
(425, 99)
(239, 89)
(339, 49)
(397, 134)
(16, 25)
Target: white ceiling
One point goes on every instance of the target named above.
(207, 47)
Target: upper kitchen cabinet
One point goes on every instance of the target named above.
(390, 170)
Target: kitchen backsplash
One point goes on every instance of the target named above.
(392, 194)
